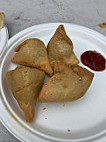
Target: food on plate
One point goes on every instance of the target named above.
(33, 53)
(60, 49)
(25, 84)
(23, 76)
(26, 99)
(67, 84)
(2, 18)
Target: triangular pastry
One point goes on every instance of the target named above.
(25, 84)
(60, 48)
(33, 53)
(68, 84)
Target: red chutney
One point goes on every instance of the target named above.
(93, 60)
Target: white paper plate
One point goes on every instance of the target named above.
(3, 41)
(86, 117)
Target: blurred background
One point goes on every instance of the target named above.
(21, 14)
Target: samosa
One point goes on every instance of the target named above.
(67, 84)
(60, 49)
(33, 53)
(25, 84)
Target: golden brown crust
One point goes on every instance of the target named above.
(26, 99)
(68, 84)
(82, 72)
(25, 84)
(62, 68)
(60, 34)
(33, 53)
(22, 77)
(60, 48)
(19, 46)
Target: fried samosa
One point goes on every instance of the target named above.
(33, 53)
(67, 84)
(25, 84)
(60, 49)
(26, 99)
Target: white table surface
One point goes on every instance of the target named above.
(21, 14)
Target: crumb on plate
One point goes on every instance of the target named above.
(68, 130)
(44, 108)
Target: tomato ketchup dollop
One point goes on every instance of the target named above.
(93, 60)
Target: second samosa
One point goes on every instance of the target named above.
(25, 84)
(67, 84)
(60, 49)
